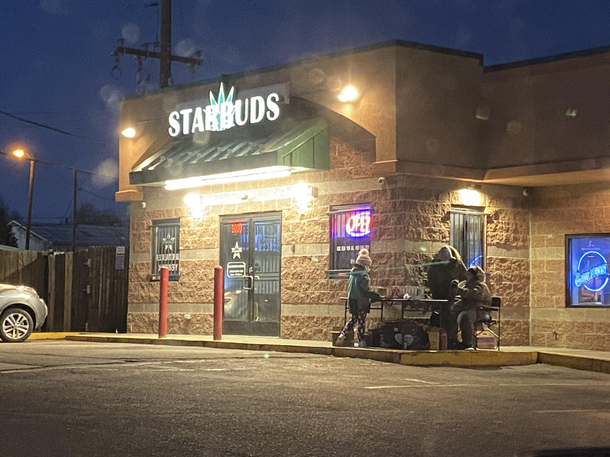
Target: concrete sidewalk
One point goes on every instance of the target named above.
(597, 361)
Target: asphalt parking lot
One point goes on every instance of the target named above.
(72, 398)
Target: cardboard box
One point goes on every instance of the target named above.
(438, 339)
(486, 340)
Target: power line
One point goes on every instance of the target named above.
(58, 121)
(63, 132)
(65, 167)
(84, 118)
(85, 190)
(98, 196)
(164, 55)
(66, 212)
(62, 112)
(182, 19)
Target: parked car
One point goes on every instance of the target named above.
(21, 312)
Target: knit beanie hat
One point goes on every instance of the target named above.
(363, 258)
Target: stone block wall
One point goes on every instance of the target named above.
(410, 222)
(557, 211)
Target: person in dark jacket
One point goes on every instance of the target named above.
(471, 294)
(446, 266)
(359, 297)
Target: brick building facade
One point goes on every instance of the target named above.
(431, 123)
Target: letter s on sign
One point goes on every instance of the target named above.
(174, 124)
(274, 109)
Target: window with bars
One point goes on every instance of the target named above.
(166, 248)
(350, 231)
(467, 230)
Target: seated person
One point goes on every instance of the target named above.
(471, 295)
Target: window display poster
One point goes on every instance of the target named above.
(587, 278)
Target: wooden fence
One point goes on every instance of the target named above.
(85, 291)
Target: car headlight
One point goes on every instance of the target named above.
(27, 289)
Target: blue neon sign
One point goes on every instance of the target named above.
(589, 275)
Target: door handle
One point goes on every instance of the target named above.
(251, 284)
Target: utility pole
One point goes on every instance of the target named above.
(165, 55)
(74, 190)
(33, 162)
(28, 225)
(165, 64)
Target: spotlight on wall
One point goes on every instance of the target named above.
(196, 204)
(129, 132)
(526, 191)
(470, 197)
(348, 94)
(303, 196)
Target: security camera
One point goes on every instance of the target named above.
(381, 180)
(143, 205)
(526, 191)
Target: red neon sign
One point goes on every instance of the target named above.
(236, 227)
(359, 224)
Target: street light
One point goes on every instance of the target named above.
(20, 153)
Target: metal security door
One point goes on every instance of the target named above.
(251, 258)
(467, 229)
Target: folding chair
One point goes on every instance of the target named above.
(488, 319)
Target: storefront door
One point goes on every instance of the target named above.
(250, 253)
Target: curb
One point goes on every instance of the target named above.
(577, 362)
(469, 358)
(413, 358)
(51, 335)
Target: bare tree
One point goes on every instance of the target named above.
(7, 215)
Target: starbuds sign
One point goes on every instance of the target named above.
(223, 113)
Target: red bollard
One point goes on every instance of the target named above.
(163, 302)
(218, 302)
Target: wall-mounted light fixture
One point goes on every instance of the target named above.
(196, 204)
(303, 195)
(470, 196)
(256, 174)
(348, 94)
(129, 132)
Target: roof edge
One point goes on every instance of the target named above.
(32, 232)
(548, 59)
(330, 55)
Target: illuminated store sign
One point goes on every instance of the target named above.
(587, 270)
(589, 277)
(223, 113)
(358, 224)
(351, 227)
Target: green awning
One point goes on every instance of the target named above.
(292, 143)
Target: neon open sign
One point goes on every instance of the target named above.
(591, 273)
(358, 224)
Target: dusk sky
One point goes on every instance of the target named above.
(56, 63)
